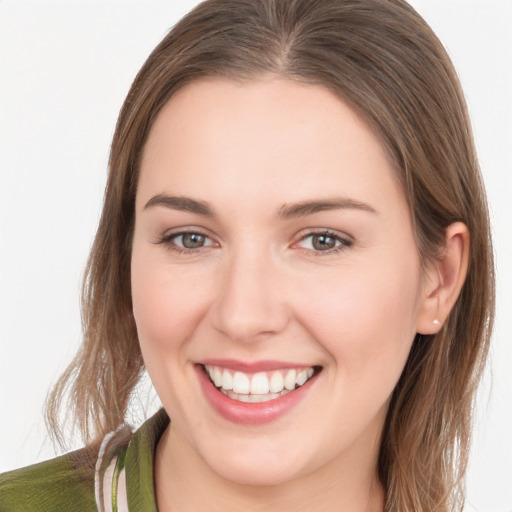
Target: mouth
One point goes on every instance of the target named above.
(258, 387)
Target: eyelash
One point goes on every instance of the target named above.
(344, 243)
(168, 241)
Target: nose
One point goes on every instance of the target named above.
(250, 304)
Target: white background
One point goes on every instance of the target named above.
(65, 68)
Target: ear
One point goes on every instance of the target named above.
(444, 279)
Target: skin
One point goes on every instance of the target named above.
(259, 289)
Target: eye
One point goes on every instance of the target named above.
(189, 241)
(324, 242)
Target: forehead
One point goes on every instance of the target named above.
(268, 138)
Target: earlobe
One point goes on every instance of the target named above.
(444, 280)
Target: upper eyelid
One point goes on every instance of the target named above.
(186, 231)
(324, 231)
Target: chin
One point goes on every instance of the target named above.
(259, 466)
(257, 474)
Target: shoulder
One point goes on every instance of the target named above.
(119, 471)
(64, 483)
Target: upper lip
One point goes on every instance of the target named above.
(252, 366)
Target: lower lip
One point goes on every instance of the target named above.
(251, 413)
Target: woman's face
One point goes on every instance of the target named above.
(273, 245)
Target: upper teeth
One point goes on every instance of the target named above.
(258, 383)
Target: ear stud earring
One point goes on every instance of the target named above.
(436, 321)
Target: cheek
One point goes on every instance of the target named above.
(367, 323)
(167, 304)
(167, 307)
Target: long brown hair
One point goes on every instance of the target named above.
(382, 59)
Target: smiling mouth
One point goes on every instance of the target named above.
(258, 387)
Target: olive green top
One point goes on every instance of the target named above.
(117, 478)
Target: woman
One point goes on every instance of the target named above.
(295, 244)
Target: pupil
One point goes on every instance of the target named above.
(323, 242)
(193, 240)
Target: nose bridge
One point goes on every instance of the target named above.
(249, 303)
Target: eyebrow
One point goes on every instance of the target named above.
(311, 207)
(185, 204)
(287, 211)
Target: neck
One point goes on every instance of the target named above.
(351, 487)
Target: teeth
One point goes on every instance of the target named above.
(227, 380)
(241, 383)
(276, 383)
(260, 387)
(289, 380)
(217, 376)
(259, 384)
(262, 398)
(302, 377)
(253, 398)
